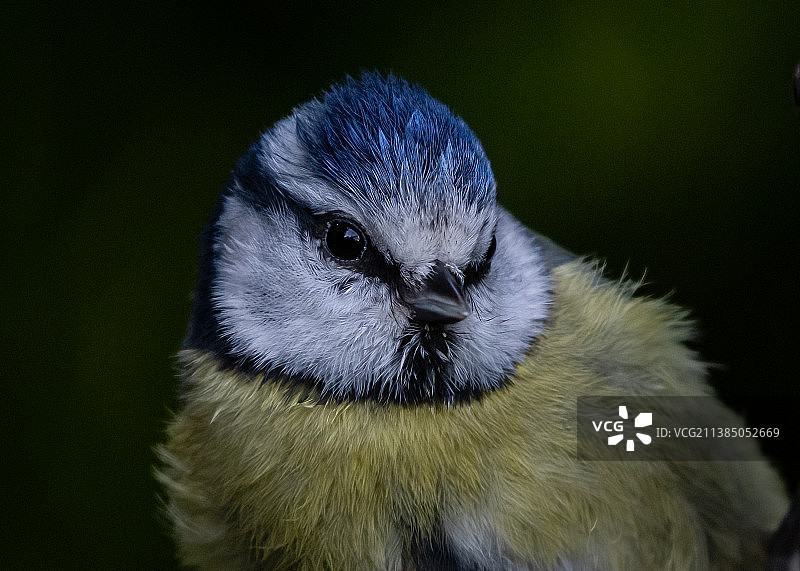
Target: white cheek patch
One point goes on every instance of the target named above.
(510, 306)
(283, 306)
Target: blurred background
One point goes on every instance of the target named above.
(662, 140)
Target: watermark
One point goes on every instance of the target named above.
(666, 428)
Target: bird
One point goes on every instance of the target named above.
(383, 369)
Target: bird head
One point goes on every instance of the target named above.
(358, 248)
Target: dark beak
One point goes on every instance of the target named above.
(440, 300)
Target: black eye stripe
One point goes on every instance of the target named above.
(477, 270)
(346, 241)
(490, 251)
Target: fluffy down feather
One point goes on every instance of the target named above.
(266, 474)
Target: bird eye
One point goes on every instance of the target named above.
(344, 240)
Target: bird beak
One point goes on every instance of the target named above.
(440, 300)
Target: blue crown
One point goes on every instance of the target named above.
(381, 139)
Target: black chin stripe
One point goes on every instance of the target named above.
(422, 359)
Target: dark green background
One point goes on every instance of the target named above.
(661, 138)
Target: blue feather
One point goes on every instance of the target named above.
(382, 139)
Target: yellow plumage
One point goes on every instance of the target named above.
(261, 472)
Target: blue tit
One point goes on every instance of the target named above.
(382, 366)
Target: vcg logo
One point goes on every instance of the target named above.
(642, 420)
